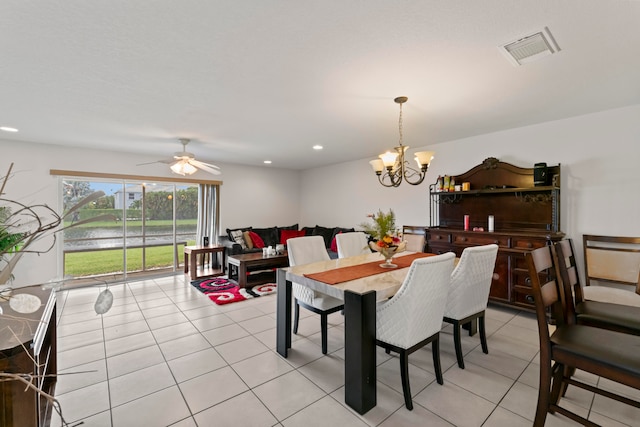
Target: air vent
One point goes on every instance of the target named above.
(530, 48)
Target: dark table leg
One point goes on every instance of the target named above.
(360, 350)
(283, 313)
(242, 274)
(186, 262)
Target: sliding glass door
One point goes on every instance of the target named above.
(151, 223)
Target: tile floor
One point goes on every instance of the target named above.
(164, 355)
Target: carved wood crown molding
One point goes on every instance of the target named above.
(490, 163)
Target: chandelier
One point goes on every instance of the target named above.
(394, 165)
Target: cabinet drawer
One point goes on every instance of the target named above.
(441, 249)
(527, 243)
(439, 237)
(480, 239)
(523, 296)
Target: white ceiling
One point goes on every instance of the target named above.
(268, 79)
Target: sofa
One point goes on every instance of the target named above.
(250, 239)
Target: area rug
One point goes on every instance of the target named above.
(223, 291)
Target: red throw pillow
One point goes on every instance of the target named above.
(289, 234)
(334, 244)
(257, 240)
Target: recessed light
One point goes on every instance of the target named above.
(8, 129)
(318, 147)
(267, 162)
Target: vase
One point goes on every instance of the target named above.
(388, 253)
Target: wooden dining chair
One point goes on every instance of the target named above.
(605, 353)
(412, 318)
(305, 250)
(613, 264)
(469, 293)
(616, 317)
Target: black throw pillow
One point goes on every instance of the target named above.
(325, 232)
(268, 235)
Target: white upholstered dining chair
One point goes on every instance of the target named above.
(306, 250)
(412, 318)
(352, 244)
(469, 293)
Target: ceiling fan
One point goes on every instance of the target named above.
(184, 163)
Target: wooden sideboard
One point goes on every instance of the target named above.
(526, 217)
(28, 346)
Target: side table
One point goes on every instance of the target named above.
(191, 265)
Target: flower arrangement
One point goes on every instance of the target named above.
(384, 232)
(383, 229)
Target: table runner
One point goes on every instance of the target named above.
(345, 274)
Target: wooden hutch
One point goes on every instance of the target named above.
(526, 217)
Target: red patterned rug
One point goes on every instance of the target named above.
(222, 291)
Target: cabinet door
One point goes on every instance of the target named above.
(500, 281)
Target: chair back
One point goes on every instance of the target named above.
(307, 249)
(352, 244)
(611, 260)
(471, 281)
(568, 271)
(415, 237)
(547, 293)
(415, 312)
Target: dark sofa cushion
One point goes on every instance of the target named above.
(268, 235)
(339, 230)
(308, 231)
(325, 232)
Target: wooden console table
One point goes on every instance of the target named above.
(191, 266)
(27, 346)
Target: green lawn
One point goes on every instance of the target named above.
(80, 264)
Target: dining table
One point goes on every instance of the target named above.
(361, 282)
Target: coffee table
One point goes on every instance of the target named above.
(241, 264)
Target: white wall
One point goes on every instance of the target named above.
(599, 156)
(258, 196)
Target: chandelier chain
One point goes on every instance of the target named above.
(400, 125)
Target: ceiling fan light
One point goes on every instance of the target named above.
(177, 168)
(189, 169)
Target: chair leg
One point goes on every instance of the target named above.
(458, 344)
(404, 375)
(483, 335)
(568, 373)
(544, 388)
(437, 367)
(296, 317)
(323, 332)
(558, 384)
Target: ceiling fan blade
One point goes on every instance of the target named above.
(166, 161)
(199, 163)
(212, 169)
